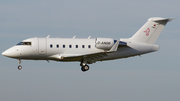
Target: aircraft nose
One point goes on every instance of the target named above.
(9, 53)
(5, 53)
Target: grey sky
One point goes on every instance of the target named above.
(151, 77)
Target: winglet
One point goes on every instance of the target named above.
(114, 47)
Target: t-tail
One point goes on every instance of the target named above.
(151, 30)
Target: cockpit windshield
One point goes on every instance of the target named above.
(24, 43)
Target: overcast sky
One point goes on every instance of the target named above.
(151, 77)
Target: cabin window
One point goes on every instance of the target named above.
(76, 46)
(24, 43)
(57, 46)
(63, 46)
(89, 46)
(83, 46)
(51, 46)
(70, 46)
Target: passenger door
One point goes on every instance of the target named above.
(42, 46)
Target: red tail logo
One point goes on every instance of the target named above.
(147, 31)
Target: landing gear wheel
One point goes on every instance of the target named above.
(19, 62)
(19, 67)
(85, 68)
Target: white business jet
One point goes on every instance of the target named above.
(90, 50)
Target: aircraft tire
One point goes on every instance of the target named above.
(85, 68)
(19, 67)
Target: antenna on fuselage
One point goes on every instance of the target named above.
(89, 37)
(48, 36)
(74, 37)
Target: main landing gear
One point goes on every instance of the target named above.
(84, 66)
(19, 62)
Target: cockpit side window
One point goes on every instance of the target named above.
(24, 43)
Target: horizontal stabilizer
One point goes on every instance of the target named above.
(162, 19)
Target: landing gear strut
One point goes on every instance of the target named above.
(84, 66)
(19, 62)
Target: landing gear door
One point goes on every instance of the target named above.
(42, 46)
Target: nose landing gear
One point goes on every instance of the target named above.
(19, 62)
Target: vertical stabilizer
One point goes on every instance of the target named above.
(150, 31)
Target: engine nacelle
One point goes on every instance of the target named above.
(104, 43)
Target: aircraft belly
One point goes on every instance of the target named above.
(122, 53)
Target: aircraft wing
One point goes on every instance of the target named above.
(90, 58)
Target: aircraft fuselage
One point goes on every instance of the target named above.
(53, 48)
